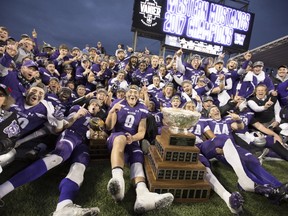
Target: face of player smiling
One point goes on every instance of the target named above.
(187, 88)
(156, 81)
(132, 97)
(232, 65)
(34, 96)
(260, 92)
(215, 113)
(195, 63)
(282, 72)
(257, 70)
(190, 106)
(93, 108)
(3, 35)
(175, 103)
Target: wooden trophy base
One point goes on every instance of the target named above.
(169, 170)
(183, 190)
(175, 153)
(98, 150)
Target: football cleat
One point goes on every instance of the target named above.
(236, 202)
(274, 194)
(75, 210)
(116, 187)
(150, 201)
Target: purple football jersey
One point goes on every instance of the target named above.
(128, 118)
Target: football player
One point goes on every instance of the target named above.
(127, 118)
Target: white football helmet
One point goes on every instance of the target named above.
(259, 138)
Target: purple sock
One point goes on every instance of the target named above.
(68, 189)
(29, 174)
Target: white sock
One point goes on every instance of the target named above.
(63, 203)
(6, 188)
(117, 173)
(141, 188)
(217, 186)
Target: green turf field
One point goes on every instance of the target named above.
(40, 197)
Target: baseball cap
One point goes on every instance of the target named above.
(282, 66)
(258, 63)
(176, 97)
(30, 63)
(54, 78)
(5, 89)
(195, 56)
(102, 90)
(207, 98)
(93, 100)
(169, 57)
(119, 50)
(121, 90)
(92, 48)
(39, 85)
(75, 48)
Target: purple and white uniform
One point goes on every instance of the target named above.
(128, 120)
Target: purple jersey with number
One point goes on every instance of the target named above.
(199, 129)
(30, 118)
(222, 126)
(128, 118)
(80, 126)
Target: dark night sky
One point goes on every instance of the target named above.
(80, 22)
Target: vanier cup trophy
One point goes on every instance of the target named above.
(172, 163)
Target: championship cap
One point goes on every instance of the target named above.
(103, 90)
(258, 63)
(169, 57)
(93, 100)
(207, 98)
(176, 97)
(39, 85)
(195, 56)
(30, 63)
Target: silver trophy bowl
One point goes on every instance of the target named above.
(180, 120)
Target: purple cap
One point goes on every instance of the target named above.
(30, 63)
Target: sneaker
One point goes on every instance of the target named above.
(236, 202)
(75, 210)
(280, 193)
(116, 187)
(150, 201)
(274, 194)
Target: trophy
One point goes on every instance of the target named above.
(172, 164)
(98, 148)
(178, 122)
